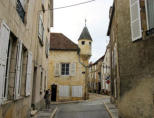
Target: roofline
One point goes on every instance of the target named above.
(111, 19)
(101, 58)
(64, 49)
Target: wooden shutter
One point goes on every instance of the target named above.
(76, 91)
(28, 75)
(57, 69)
(4, 41)
(73, 69)
(64, 91)
(40, 30)
(135, 19)
(18, 70)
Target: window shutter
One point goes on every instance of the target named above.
(40, 27)
(73, 69)
(150, 15)
(135, 19)
(57, 69)
(4, 41)
(18, 70)
(76, 91)
(28, 76)
(64, 91)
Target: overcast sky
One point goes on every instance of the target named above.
(71, 21)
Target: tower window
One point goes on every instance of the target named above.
(89, 43)
(83, 42)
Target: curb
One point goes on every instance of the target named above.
(56, 103)
(108, 110)
(54, 112)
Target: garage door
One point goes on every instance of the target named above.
(64, 91)
(76, 91)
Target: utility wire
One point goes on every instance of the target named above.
(71, 5)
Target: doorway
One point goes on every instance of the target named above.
(53, 92)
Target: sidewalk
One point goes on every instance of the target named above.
(111, 108)
(46, 113)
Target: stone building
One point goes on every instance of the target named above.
(95, 76)
(132, 66)
(105, 72)
(68, 66)
(22, 45)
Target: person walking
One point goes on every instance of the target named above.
(47, 99)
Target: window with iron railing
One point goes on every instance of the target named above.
(20, 10)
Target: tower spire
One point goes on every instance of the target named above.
(85, 22)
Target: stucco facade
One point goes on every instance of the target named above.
(19, 40)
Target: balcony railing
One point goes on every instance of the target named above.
(20, 10)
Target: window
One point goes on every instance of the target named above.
(136, 31)
(20, 7)
(65, 69)
(47, 48)
(28, 74)
(64, 91)
(76, 91)
(83, 42)
(89, 43)
(4, 60)
(41, 29)
(43, 5)
(19, 60)
(149, 13)
(41, 81)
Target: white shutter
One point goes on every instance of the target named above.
(28, 76)
(135, 19)
(64, 91)
(76, 91)
(73, 69)
(18, 70)
(40, 26)
(23, 2)
(4, 41)
(57, 69)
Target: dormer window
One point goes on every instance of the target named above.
(83, 42)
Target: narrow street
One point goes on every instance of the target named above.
(93, 108)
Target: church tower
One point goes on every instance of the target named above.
(85, 44)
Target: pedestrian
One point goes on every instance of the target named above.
(47, 99)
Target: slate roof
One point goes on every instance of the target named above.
(85, 34)
(59, 41)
